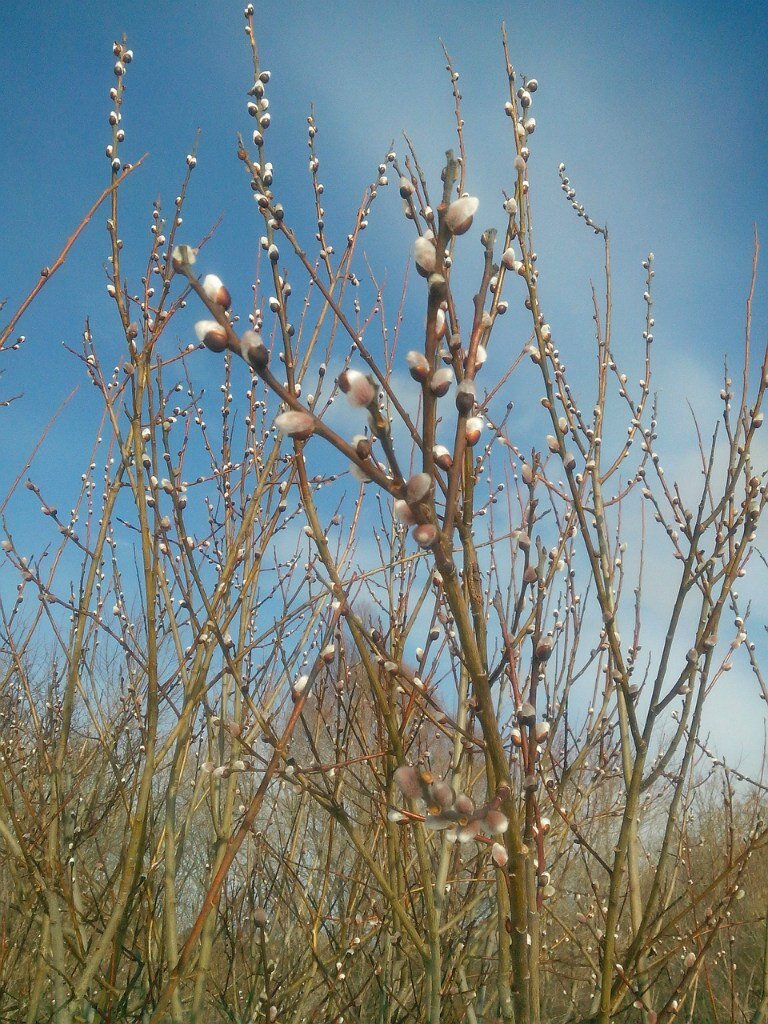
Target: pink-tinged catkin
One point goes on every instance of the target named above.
(296, 424)
(358, 388)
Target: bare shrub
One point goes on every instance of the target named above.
(324, 715)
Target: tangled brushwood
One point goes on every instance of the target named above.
(356, 715)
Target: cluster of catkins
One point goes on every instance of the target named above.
(446, 810)
(362, 389)
(210, 332)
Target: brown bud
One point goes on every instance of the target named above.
(441, 381)
(362, 446)
(442, 457)
(254, 351)
(465, 397)
(216, 291)
(544, 648)
(212, 335)
(526, 714)
(418, 366)
(473, 430)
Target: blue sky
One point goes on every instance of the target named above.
(659, 111)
